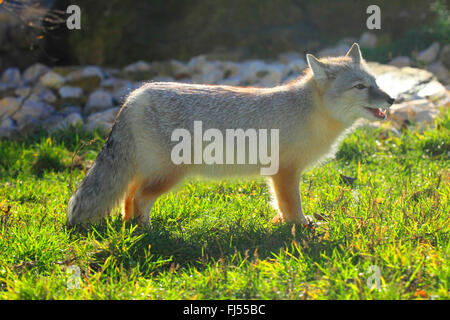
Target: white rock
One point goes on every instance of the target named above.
(8, 128)
(86, 72)
(440, 71)
(9, 105)
(139, 66)
(252, 71)
(99, 100)
(11, 76)
(43, 94)
(179, 69)
(70, 109)
(52, 80)
(68, 92)
(101, 120)
(231, 69)
(414, 111)
(195, 65)
(400, 61)
(212, 77)
(430, 54)
(121, 93)
(297, 65)
(276, 73)
(368, 40)
(162, 79)
(74, 119)
(426, 116)
(231, 81)
(53, 123)
(288, 57)
(34, 109)
(34, 72)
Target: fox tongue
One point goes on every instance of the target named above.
(377, 113)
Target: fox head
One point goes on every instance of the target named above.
(348, 90)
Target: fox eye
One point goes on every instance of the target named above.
(360, 86)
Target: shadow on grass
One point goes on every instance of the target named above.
(161, 248)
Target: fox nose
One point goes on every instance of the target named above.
(390, 101)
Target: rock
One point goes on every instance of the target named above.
(195, 65)
(101, 120)
(430, 54)
(426, 116)
(99, 100)
(406, 83)
(34, 109)
(87, 78)
(432, 90)
(60, 122)
(179, 69)
(70, 109)
(445, 56)
(43, 94)
(252, 71)
(9, 105)
(74, 119)
(368, 40)
(212, 77)
(52, 80)
(231, 69)
(8, 128)
(231, 81)
(11, 76)
(53, 123)
(112, 84)
(440, 71)
(137, 71)
(275, 73)
(6, 90)
(162, 79)
(288, 57)
(34, 72)
(70, 94)
(400, 62)
(122, 93)
(296, 66)
(340, 50)
(27, 124)
(421, 110)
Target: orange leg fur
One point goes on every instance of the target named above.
(128, 205)
(147, 195)
(285, 186)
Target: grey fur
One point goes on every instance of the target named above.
(106, 181)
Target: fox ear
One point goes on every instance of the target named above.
(355, 53)
(318, 68)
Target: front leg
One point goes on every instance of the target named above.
(286, 189)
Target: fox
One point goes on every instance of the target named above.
(312, 113)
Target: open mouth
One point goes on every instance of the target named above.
(377, 112)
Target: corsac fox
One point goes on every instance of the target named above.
(310, 113)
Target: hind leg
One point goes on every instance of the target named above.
(128, 210)
(147, 195)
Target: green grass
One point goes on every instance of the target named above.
(214, 240)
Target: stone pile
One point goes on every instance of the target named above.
(90, 96)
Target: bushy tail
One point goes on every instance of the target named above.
(106, 182)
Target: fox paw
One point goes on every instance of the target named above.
(307, 221)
